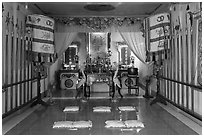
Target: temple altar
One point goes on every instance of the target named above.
(99, 59)
(99, 78)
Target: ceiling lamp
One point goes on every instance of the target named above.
(99, 7)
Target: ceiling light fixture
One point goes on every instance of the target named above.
(99, 7)
(26, 6)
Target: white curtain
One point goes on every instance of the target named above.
(62, 41)
(136, 43)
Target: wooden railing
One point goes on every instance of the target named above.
(20, 82)
(20, 99)
(199, 88)
(162, 99)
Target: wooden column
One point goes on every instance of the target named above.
(16, 70)
(12, 65)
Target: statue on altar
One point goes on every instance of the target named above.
(99, 64)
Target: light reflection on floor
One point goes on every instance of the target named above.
(157, 121)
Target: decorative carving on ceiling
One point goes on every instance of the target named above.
(99, 23)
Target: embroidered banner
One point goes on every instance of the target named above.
(159, 27)
(41, 28)
(199, 78)
(157, 34)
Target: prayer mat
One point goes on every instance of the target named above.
(127, 108)
(82, 124)
(63, 124)
(114, 124)
(124, 124)
(71, 109)
(102, 109)
(133, 124)
(72, 124)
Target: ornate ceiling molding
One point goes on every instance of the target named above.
(99, 23)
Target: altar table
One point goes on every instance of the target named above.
(93, 78)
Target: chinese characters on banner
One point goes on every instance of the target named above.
(157, 36)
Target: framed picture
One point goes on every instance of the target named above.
(98, 45)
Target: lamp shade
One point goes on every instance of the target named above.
(41, 29)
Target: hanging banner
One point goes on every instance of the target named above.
(41, 29)
(199, 39)
(159, 32)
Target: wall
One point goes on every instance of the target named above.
(15, 64)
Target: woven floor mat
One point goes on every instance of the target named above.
(124, 124)
(102, 109)
(127, 108)
(72, 124)
(71, 109)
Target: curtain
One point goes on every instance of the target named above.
(136, 43)
(62, 41)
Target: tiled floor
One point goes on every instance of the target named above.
(157, 121)
(71, 93)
